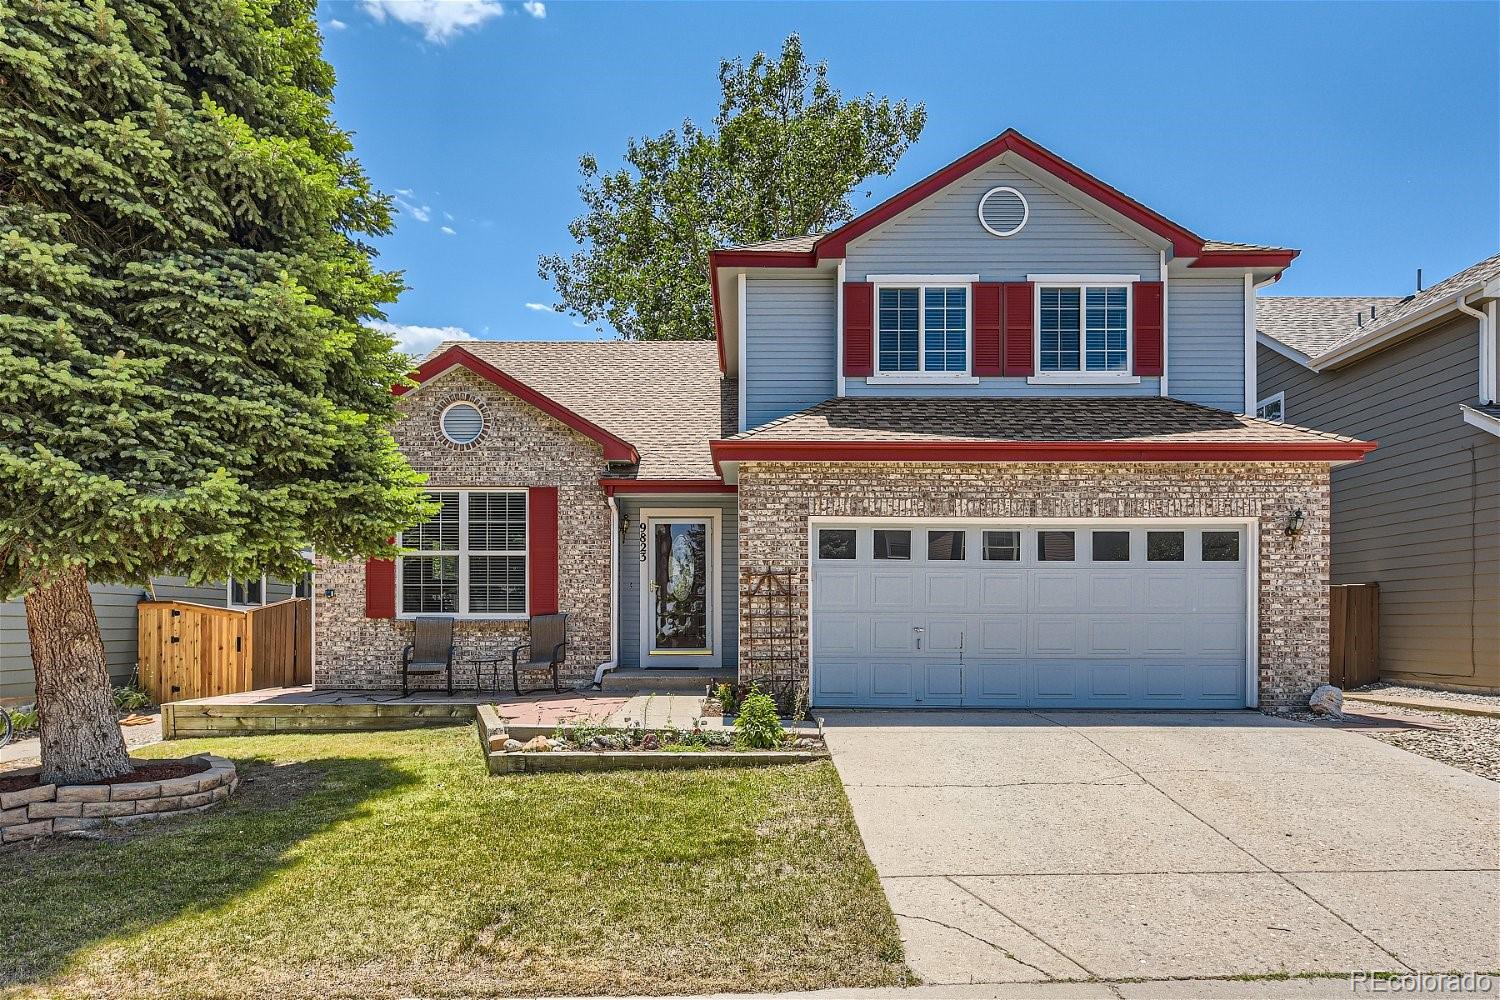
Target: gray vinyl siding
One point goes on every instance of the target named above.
(114, 605)
(942, 235)
(630, 575)
(1206, 341)
(1421, 515)
(790, 345)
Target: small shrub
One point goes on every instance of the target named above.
(130, 698)
(758, 726)
(24, 719)
(729, 697)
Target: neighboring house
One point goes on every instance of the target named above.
(1421, 517)
(115, 607)
(992, 433)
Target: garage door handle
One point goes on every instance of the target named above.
(919, 630)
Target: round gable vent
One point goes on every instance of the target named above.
(1003, 211)
(462, 423)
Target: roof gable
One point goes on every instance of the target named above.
(616, 449)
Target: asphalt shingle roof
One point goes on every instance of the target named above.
(1318, 324)
(1051, 419)
(665, 397)
(801, 244)
(1310, 324)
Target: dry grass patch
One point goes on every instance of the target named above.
(390, 865)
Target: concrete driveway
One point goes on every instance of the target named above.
(1029, 846)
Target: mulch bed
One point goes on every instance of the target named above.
(153, 770)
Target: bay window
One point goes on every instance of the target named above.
(1083, 329)
(922, 329)
(469, 558)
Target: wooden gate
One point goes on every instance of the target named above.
(196, 650)
(1354, 634)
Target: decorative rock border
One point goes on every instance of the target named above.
(493, 734)
(50, 810)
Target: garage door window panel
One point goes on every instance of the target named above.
(1111, 546)
(1221, 546)
(1054, 546)
(1002, 546)
(946, 546)
(837, 543)
(891, 544)
(1165, 546)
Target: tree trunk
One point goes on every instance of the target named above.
(81, 738)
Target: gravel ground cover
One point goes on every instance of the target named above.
(1468, 742)
(1404, 691)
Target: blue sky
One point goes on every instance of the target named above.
(1368, 135)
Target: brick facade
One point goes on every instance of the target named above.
(776, 499)
(521, 447)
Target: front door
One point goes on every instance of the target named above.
(680, 592)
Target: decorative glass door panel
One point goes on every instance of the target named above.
(679, 575)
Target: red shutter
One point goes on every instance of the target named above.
(1017, 300)
(380, 588)
(541, 550)
(1146, 321)
(987, 335)
(859, 357)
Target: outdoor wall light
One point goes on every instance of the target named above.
(624, 527)
(1294, 523)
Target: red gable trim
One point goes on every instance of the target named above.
(613, 486)
(1037, 451)
(616, 449)
(1184, 242)
(1246, 258)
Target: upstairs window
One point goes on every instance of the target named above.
(922, 329)
(1083, 328)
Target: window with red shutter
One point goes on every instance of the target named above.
(859, 355)
(987, 329)
(1016, 301)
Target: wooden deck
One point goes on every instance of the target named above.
(307, 710)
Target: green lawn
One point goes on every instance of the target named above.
(387, 865)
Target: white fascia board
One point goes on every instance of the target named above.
(1363, 345)
(1290, 353)
(1487, 422)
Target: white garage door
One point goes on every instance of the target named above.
(1084, 615)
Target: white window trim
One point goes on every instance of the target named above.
(443, 426)
(463, 554)
(1082, 376)
(1261, 404)
(229, 601)
(922, 282)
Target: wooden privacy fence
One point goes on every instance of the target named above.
(1354, 634)
(196, 650)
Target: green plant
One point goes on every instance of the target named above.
(728, 698)
(23, 719)
(129, 698)
(758, 727)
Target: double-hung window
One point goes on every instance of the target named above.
(1083, 328)
(469, 558)
(922, 329)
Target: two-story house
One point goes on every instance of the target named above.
(995, 438)
(1421, 518)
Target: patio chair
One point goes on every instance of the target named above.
(429, 652)
(545, 649)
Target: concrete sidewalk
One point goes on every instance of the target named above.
(1043, 846)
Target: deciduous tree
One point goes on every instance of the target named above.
(785, 154)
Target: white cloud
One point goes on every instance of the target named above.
(540, 307)
(449, 231)
(405, 192)
(418, 340)
(535, 8)
(337, 25)
(448, 216)
(439, 20)
(422, 213)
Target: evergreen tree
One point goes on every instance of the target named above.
(185, 384)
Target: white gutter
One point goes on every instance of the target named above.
(1357, 347)
(1486, 363)
(1270, 343)
(614, 594)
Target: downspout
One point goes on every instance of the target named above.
(614, 593)
(1486, 359)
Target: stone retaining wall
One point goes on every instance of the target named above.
(47, 810)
